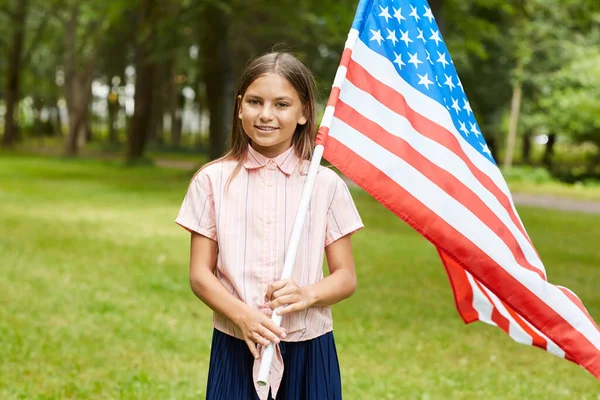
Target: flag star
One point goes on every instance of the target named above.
(405, 37)
(442, 59)
(421, 36)
(473, 127)
(449, 82)
(385, 13)
(460, 85)
(455, 105)
(376, 36)
(428, 14)
(428, 57)
(463, 128)
(435, 36)
(398, 60)
(392, 36)
(485, 149)
(414, 14)
(414, 60)
(425, 80)
(398, 14)
(467, 107)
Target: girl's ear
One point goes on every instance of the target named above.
(303, 120)
(239, 101)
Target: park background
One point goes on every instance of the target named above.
(109, 106)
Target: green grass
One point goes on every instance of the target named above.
(95, 301)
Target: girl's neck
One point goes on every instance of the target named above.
(271, 151)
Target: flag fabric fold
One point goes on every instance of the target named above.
(399, 124)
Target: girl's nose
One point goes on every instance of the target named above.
(266, 113)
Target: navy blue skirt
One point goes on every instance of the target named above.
(311, 370)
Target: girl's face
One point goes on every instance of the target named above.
(270, 112)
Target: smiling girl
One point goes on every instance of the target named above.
(240, 210)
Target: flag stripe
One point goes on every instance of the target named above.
(421, 153)
(396, 103)
(480, 246)
(463, 294)
(383, 188)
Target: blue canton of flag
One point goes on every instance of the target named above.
(406, 33)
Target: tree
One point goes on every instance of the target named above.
(18, 57)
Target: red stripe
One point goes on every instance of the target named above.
(537, 340)
(486, 270)
(396, 102)
(578, 303)
(463, 295)
(439, 176)
(333, 96)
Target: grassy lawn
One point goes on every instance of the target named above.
(95, 302)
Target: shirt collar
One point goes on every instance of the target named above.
(286, 161)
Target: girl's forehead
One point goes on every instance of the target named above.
(271, 85)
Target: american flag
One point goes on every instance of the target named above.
(398, 123)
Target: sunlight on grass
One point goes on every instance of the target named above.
(96, 301)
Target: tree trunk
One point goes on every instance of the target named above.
(176, 117)
(77, 85)
(13, 76)
(57, 123)
(218, 77)
(526, 141)
(137, 134)
(511, 139)
(155, 134)
(549, 152)
(113, 106)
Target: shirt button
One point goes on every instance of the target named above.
(269, 220)
(268, 263)
(269, 183)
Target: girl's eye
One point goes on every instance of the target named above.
(253, 102)
(283, 105)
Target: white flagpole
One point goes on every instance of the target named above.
(290, 258)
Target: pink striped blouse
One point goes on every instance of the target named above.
(252, 221)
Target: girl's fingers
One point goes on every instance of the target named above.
(284, 300)
(269, 336)
(290, 308)
(260, 339)
(252, 347)
(274, 287)
(270, 325)
(288, 289)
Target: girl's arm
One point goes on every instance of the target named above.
(339, 285)
(256, 327)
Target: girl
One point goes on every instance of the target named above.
(240, 210)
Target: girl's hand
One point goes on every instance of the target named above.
(258, 329)
(291, 297)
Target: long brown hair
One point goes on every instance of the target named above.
(301, 78)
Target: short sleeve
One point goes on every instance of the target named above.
(342, 217)
(197, 213)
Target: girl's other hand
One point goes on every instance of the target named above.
(258, 329)
(287, 294)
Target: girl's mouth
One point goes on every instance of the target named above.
(265, 128)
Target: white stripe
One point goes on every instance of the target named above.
(340, 76)
(465, 222)
(480, 303)
(514, 329)
(384, 71)
(399, 126)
